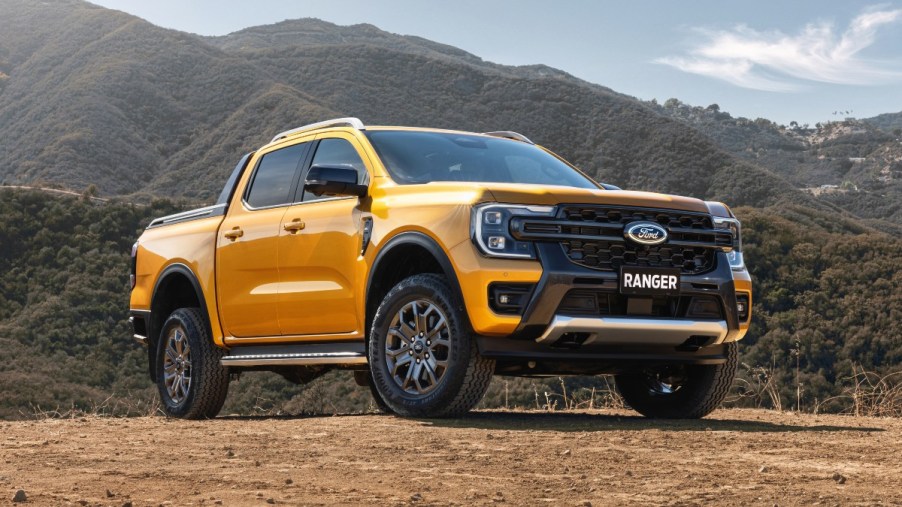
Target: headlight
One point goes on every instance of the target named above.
(735, 254)
(490, 229)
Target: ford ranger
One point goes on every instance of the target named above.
(428, 261)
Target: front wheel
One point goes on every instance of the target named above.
(679, 391)
(422, 354)
(193, 383)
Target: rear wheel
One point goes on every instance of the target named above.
(679, 391)
(422, 354)
(192, 382)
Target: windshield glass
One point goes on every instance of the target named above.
(421, 157)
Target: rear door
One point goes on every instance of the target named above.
(320, 264)
(247, 274)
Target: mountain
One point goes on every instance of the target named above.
(100, 97)
(855, 165)
(890, 122)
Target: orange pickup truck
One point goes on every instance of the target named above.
(429, 260)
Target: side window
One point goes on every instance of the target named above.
(338, 152)
(274, 177)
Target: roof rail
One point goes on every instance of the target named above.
(507, 134)
(338, 122)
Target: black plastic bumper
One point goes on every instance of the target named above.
(560, 276)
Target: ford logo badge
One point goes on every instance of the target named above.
(645, 233)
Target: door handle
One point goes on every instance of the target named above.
(294, 226)
(234, 234)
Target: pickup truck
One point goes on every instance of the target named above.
(427, 261)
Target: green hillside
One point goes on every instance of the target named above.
(855, 165)
(99, 97)
(826, 288)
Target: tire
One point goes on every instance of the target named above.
(192, 382)
(679, 392)
(377, 398)
(431, 368)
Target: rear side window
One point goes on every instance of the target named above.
(340, 153)
(229, 189)
(274, 177)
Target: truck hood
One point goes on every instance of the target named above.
(550, 195)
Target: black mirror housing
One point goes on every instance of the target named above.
(334, 180)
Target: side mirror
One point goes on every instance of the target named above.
(333, 180)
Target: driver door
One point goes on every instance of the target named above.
(320, 266)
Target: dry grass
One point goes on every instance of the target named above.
(581, 399)
(111, 406)
(869, 394)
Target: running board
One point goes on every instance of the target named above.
(297, 355)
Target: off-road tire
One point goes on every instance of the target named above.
(704, 390)
(377, 398)
(209, 379)
(468, 374)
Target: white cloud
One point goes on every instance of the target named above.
(774, 61)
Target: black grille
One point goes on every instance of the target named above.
(609, 256)
(592, 236)
(625, 215)
(590, 302)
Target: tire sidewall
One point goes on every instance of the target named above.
(435, 291)
(704, 391)
(179, 319)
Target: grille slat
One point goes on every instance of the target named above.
(592, 236)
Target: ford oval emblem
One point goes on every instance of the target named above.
(645, 233)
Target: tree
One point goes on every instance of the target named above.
(672, 103)
(713, 107)
(89, 193)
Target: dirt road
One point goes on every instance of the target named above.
(736, 457)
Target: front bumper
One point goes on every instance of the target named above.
(635, 331)
(548, 335)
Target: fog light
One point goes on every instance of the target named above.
(742, 307)
(496, 242)
(509, 298)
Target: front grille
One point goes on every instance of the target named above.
(609, 256)
(592, 236)
(597, 303)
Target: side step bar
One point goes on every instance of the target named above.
(344, 354)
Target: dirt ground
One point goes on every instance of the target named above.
(735, 457)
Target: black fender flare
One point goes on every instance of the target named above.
(427, 243)
(155, 323)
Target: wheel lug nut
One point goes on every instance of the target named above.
(418, 360)
(410, 352)
(428, 342)
(427, 355)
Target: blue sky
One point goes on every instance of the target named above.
(787, 61)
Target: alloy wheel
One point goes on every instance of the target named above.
(418, 347)
(177, 365)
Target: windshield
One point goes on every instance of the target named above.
(421, 157)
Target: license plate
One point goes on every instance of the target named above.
(643, 281)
